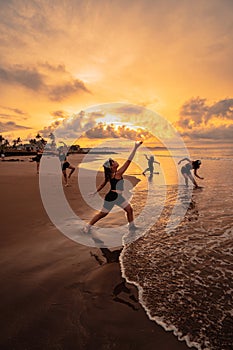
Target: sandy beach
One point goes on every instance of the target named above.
(58, 294)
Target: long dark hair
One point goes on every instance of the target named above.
(196, 164)
(107, 170)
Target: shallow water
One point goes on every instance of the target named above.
(185, 273)
(185, 277)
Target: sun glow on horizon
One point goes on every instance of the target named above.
(109, 119)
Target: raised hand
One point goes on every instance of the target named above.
(138, 144)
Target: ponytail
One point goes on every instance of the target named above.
(107, 173)
(107, 169)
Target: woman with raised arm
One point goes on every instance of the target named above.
(151, 160)
(186, 170)
(62, 154)
(114, 196)
(37, 159)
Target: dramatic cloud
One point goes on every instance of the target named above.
(60, 68)
(27, 77)
(221, 133)
(148, 120)
(193, 112)
(68, 127)
(60, 92)
(60, 114)
(18, 113)
(223, 108)
(15, 110)
(196, 112)
(50, 129)
(200, 120)
(88, 125)
(75, 126)
(103, 130)
(52, 81)
(11, 126)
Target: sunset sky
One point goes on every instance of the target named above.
(173, 57)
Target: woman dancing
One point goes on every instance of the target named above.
(37, 159)
(186, 171)
(151, 162)
(64, 163)
(114, 196)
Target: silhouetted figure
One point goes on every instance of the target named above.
(186, 170)
(114, 196)
(151, 161)
(37, 159)
(64, 163)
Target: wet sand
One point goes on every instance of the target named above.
(58, 294)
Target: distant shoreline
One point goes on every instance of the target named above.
(33, 153)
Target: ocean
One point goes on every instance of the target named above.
(185, 274)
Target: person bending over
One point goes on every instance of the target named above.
(186, 170)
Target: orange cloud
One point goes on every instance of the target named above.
(207, 121)
(32, 78)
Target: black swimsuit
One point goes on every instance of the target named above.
(186, 169)
(63, 161)
(37, 158)
(114, 198)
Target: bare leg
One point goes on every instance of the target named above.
(65, 177)
(130, 217)
(129, 213)
(97, 217)
(71, 171)
(145, 171)
(186, 179)
(37, 167)
(193, 180)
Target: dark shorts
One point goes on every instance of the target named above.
(113, 198)
(65, 165)
(37, 158)
(184, 170)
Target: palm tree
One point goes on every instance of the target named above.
(1, 139)
(43, 141)
(32, 141)
(18, 141)
(6, 143)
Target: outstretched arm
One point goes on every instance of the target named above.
(156, 162)
(146, 156)
(100, 187)
(125, 166)
(187, 159)
(196, 174)
(65, 146)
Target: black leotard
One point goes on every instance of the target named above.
(117, 184)
(113, 197)
(186, 169)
